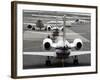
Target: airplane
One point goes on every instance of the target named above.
(33, 26)
(82, 21)
(62, 48)
(51, 25)
(59, 24)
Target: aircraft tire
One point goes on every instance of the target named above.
(48, 62)
(75, 61)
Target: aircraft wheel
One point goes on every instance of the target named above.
(33, 28)
(48, 62)
(75, 61)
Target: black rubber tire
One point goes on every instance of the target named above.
(75, 62)
(33, 28)
(48, 62)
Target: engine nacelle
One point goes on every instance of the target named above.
(47, 44)
(48, 27)
(78, 44)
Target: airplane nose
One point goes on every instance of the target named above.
(63, 54)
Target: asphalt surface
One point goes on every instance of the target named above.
(32, 42)
(34, 62)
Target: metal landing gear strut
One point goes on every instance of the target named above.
(75, 60)
(48, 61)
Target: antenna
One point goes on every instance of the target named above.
(56, 22)
(64, 23)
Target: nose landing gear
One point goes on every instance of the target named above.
(75, 60)
(48, 61)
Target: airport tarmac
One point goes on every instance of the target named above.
(33, 62)
(32, 42)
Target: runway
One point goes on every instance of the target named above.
(35, 62)
(33, 39)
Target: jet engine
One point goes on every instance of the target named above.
(47, 44)
(78, 44)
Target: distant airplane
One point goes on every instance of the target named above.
(51, 25)
(33, 26)
(59, 24)
(82, 21)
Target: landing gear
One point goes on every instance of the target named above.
(63, 62)
(75, 60)
(48, 61)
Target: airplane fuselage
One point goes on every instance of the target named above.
(62, 52)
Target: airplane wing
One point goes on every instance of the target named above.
(53, 54)
(41, 53)
(75, 53)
